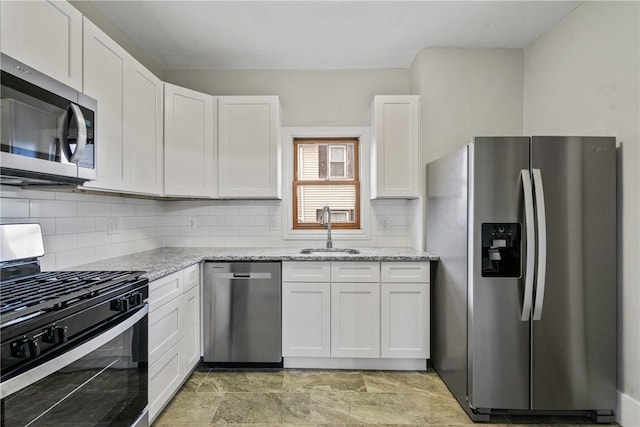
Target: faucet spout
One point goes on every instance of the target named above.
(325, 218)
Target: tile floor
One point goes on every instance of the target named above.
(328, 398)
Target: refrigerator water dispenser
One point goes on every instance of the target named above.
(501, 249)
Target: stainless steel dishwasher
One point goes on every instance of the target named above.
(242, 320)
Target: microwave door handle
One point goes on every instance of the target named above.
(81, 140)
(531, 244)
(542, 244)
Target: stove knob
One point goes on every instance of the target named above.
(136, 299)
(55, 335)
(34, 347)
(121, 305)
(20, 348)
(25, 348)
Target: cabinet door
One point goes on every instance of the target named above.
(46, 35)
(165, 328)
(189, 145)
(104, 68)
(355, 320)
(143, 128)
(249, 163)
(404, 312)
(306, 319)
(191, 327)
(164, 379)
(396, 147)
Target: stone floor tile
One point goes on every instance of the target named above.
(234, 382)
(323, 380)
(402, 382)
(190, 408)
(263, 408)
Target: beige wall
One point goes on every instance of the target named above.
(582, 77)
(465, 93)
(308, 98)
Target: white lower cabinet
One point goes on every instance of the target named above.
(191, 328)
(306, 319)
(355, 320)
(334, 313)
(174, 334)
(404, 320)
(404, 310)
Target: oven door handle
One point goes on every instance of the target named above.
(25, 379)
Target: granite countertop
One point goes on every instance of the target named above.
(163, 261)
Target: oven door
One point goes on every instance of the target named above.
(101, 382)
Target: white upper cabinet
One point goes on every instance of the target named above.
(129, 130)
(46, 35)
(104, 69)
(189, 147)
(249, 147)
(395, 151)
(143, 129)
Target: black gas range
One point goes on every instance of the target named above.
(43, 313)
(70, 339)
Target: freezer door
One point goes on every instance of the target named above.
(498, 340)
(574, 342)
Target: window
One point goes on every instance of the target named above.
(326, 172)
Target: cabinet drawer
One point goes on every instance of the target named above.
(165, 289)
(164, 380)
(306, 271)
(355, 272)
(165, 328)
(405, 272)
(191, 276)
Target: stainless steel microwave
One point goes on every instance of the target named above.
(48, 129)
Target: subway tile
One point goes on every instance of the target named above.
(101, 223)
(239, 242)
(255, 231)
(224, 210)
(60, 242)
(66, 259)
(254, 210)
(52, 208)
(224, 231)
(263, 220)
(96, 238)
(47, 225)
(121, 209)
(178, 241)
(18, 193)
(82, 197)
(14, 208)
(205, 241)
(94, 209)
(75, 225)
(48, 262)
(238, 220)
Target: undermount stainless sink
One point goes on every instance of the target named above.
(350, 251)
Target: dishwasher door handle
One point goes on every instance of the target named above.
(243, 276)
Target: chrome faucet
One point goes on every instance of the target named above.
(325, 218)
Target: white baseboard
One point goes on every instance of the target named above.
(346, 363)
(628, 411)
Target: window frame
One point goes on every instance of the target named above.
(329, 181)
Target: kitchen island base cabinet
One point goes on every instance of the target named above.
(355, 315)
(174, 334)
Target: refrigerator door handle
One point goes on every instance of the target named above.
(542, 244)
(531, 244)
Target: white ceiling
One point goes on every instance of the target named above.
(323, 34)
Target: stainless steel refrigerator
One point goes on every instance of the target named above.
(524, 295)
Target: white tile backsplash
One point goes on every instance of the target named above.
(76, 225)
